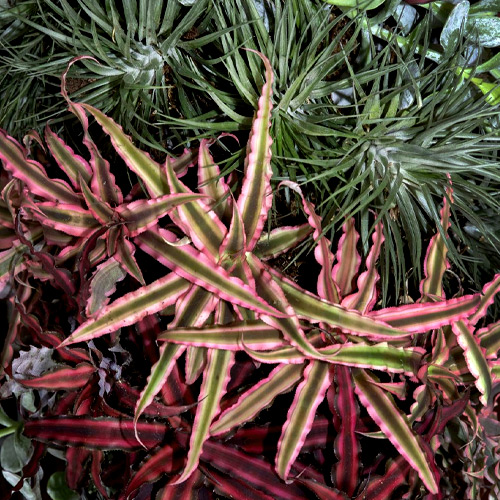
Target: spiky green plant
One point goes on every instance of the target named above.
(147, 60)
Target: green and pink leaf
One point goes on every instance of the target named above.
(200, 270)
(213, 387)
(255, 199)
(308, 395)
(475, 358)
(348, 259)
(395, 426)
(251, 402)
(131, 308)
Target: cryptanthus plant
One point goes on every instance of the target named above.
(181, 279)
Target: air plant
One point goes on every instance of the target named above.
(148, 62)
(407, 375)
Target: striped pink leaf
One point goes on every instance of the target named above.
(255, 334)
(394, 425)
(160, 371)
(280, 240)
(381, 488)
(252, 470)
(435, 263)
(197, 268)
(194, 308)
(196, 220)
(271, 292)
(165, 461)
(475, 358)
(95, 433)
(188, 490)
(321, 490)
(131, 308)
(62, 378)
(233, 246)
(182, 163)
(348, 259)
(255, 199)
(150, 172)
(61, 277)
(232, 488)
(423, 317)
(125, 256)
(33, 174)
(127, 397)
(101, 211)
(308, 395)
(489, 338)
(259, 440)
(70, 219)
(143, 214)
(211, 183)
(69, 162)
(327, 288)
(381, 356)
(102, 181)
(365, 297)
(213, 387)
(282, 379)
(196, 361)
(487, 298)
(315, 309)
(347, 446)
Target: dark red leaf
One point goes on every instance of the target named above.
(96, 433)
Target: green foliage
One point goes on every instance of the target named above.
(57, 488)
(149, 61)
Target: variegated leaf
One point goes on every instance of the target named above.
(196, 219)
(489, 337)
(308, 395)
(143, 214)
(311, 307)
(327, 288)
(196, 361)
(70, 219)
(62, 378)
(130, 308)
(200, 270)
(280, 240)
(33, 174)
(258, 397)
(255, 334)
(475, 358)
(422, 317)
(394, 425)
(435, 263)
(72, 164)
(150, 172)
(365, 297)
(95, 433)
(255, 199)
(348, 259)
(211, 183)
(215, 379)
(169, 353)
